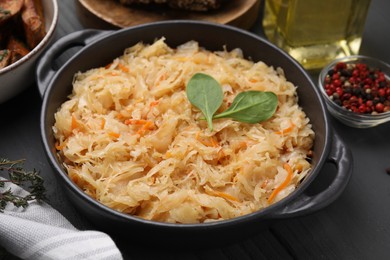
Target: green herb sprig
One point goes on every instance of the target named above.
(29, 180)
(205, 93)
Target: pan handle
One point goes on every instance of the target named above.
(305, 204)
(45, 67)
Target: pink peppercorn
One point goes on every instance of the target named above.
(379, 107)
(358, 88)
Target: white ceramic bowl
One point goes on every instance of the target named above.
(346, 116)
(19, 75)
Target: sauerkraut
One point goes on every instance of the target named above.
(129, 137)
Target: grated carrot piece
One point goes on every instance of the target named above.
(182, 59)
(276, 191)
(163, 77)
(113, 134)
(206, 142)
(197, 136)
(145, 124)
(102, 123)
(221, 155)
(241, 145)
(59, 147)
(123, 68)
(286, 130)
(119, 116)
(154, 103)
(74, 123)
(149, 125)
(225, 196)
(211, 141)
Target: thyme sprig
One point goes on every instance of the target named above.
(30, 180)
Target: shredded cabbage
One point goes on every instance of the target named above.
(129, 137)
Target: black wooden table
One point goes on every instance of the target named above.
(355, 226)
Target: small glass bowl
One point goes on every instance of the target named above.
(346, 116)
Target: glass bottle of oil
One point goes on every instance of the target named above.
(316, 32)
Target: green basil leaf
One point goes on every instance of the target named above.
(205, 93)
(251, 107)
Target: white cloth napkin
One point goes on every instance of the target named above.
(41, 232)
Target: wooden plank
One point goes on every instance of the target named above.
(240, 13)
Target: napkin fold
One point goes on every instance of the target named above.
(41, 232)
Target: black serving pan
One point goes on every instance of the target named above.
(98, 48)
